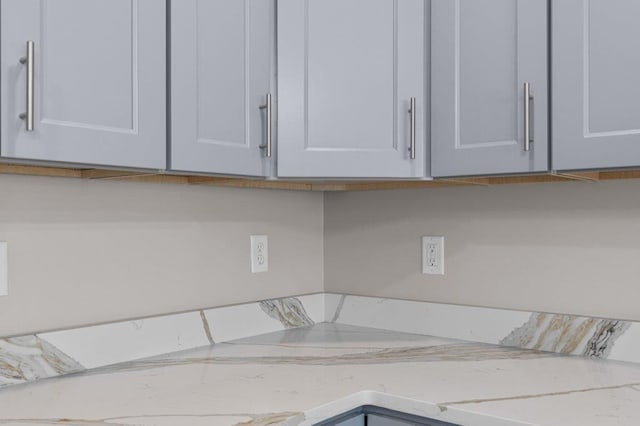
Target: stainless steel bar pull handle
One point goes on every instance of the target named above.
(412, 128)
(269, 108)
(28, 60)
(528, 99)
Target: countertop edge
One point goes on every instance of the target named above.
(404, 405)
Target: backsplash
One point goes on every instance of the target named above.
(588, 337)
(35, 357)
(565, 334)
(45, 355)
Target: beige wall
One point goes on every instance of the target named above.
(85, 252)
(570, 248)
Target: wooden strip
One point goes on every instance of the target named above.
(383, 185)
(111, 174)
(156, 178)
(520, 179)
(257, 184)
(95, 174)
(582, 176)
(328, 187)
(482, 181)
(17, 169)
(509, 180)
(207, 180)
(250, 183)
(325, 186)
(620, 174)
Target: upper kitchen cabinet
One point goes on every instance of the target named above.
(351, 84)
(84, 81)
(222, 86)
(596, 84)
(489, 87)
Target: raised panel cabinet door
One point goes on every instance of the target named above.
(222, 69)
(98, 79)
(596, 84)
(483, 54)
(347, 72)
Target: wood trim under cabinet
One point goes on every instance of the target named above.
(319, 186)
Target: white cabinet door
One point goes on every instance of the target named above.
(222, 69)
(99, 80)
(347, 71)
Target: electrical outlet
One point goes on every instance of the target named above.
(433, 255)
(4, 273)
(259, 253)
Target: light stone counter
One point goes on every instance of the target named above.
(304, 375)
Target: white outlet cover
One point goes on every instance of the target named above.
(433, 255)
(4, 270)
(259, 254)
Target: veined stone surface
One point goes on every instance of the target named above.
(305, 375)
(589, 337)
(29, 358)
(35, 357)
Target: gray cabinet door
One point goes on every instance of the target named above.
(596, 84)
(222, 67)
(373, 420)
(99, 81)
(347, 70)
(353, 421)
(483, 53)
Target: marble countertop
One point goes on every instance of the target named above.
(304, 375)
